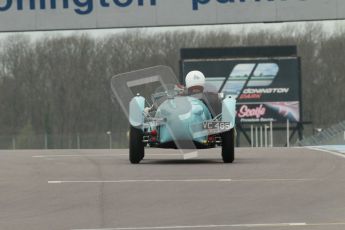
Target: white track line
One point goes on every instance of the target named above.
(185, 180)
(142, 181)
(325, 150)
(191, 155)
(273, 225)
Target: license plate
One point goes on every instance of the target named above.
(216, 125)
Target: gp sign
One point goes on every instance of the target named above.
(30, 15)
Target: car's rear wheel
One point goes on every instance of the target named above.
(228, 146)
(136, 145)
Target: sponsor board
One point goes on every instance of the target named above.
(29, 15)
(268, 112)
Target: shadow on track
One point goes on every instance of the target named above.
(181, 161)
(238, 161)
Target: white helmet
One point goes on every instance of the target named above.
(195, 78)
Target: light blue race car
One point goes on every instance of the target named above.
(172, 117)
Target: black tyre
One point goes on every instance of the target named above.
(136, 145)
(228, 146)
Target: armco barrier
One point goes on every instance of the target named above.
(329, 136)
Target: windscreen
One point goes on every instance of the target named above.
(144, 82)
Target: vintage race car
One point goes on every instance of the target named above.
(171, 118)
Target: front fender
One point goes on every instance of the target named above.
(136, 111)
(229, 110)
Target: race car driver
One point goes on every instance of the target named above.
(195, 82)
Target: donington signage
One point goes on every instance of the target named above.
(29, 15)
(267, 89)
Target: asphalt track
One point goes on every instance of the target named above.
(276, 188)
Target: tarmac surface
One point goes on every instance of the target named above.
(276, 188)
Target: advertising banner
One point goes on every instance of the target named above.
(31, 15)
(266, 89)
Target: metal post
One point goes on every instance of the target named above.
(261, 142)
(45, 141)
(78, 141)
(252, 136)
(110, 140)
(287, 133)
(266, 127)
(271, 134)
(13, 143)
(256, 137)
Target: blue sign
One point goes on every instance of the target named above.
(80, 6)
(197, 3)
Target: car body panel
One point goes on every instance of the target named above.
(179, 118)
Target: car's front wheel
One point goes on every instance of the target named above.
(136, 145)
(228, 146)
